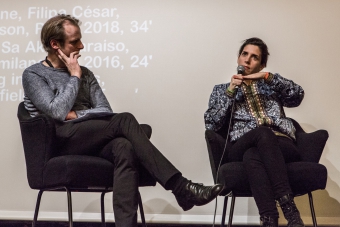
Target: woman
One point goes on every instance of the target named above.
(257, 99)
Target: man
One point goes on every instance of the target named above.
(69, 93)
(256, 100)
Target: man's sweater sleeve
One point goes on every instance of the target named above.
(56, 104)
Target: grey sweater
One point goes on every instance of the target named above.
(54, 92)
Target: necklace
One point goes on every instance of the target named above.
(48, 62)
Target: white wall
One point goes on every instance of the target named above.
(190, 46)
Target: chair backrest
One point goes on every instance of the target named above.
(38, 137)
(215, 143)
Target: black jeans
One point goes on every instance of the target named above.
(264, 155)
(132, 148)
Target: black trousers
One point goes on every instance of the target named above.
(264, 155)
(131, 148)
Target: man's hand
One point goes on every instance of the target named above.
(71, 62)
(71, 115)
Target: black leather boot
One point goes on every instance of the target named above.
(290, 211)
(268, 221)
(194, 194)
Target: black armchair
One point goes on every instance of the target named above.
(46, 171)
(304, 177)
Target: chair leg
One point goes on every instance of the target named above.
(224, 212)
(315, 224)
(37, 208)
(69, 202)
(231, 214)
(141, 210)
(102, 208)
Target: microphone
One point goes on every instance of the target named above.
(240, 69)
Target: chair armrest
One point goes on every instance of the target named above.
(147, 130)
(311, 145)
(215, 144)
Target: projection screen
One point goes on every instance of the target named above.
(160, 60)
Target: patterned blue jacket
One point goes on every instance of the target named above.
(259, 104)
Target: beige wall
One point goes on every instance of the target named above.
(190, 46)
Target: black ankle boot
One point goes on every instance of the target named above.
(193, 194)
(290, 211)
(268, 221)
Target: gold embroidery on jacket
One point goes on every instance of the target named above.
(255, 104)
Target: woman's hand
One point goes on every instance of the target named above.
(236, 81)
(255, 76)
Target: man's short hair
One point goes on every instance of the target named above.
(54, 29)
(257, 42)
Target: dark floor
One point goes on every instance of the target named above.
(97, 224)
(83, 224)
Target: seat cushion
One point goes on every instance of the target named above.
(303, 177)
(234, 177)
(78, 171)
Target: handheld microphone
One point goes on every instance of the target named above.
(240, 69)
